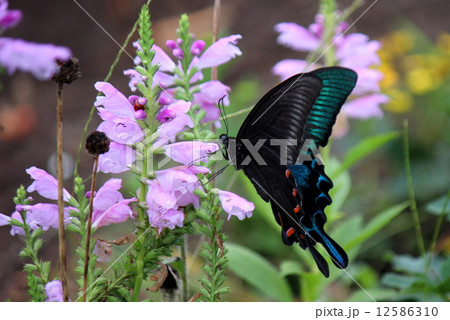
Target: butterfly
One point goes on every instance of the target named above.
(277, 145)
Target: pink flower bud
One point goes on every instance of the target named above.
(178, 53)
(140, 115)
(197, 47)
(171, 44)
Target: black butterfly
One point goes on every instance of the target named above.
(268, 147)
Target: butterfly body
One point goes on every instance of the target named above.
(297, 113)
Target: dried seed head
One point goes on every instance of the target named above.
(68, 71)
(97, 143)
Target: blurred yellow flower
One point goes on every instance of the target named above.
(443, 43)
(401, 101)
(399, 42)
(421, 80)
(390, 76)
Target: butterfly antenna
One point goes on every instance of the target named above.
(216, 174)
(223, 114)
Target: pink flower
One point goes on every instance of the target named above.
(162, 207)
(290, 33)
(235, 205)
(45, 184)
(54, 291)
(102, 250)
(183, 181)
(288, 67)
(110, 206)
(365, 107)
(8, 18)
(175, 120)
(120, 130)
(118, 159)
(158, 198)
(170, 218)
(117, 213)
(190, 152)
(114, 101)
(38, 59)
(220, 52)
(135, 79)
(356, 51)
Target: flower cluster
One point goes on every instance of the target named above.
(170, 73)
(355, 51)
(109, 205)
(16, 54)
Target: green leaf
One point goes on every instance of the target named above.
(289, 267)
(341, 187)
(375, 225)
(437, 206)
(257, 271)
(377, 294)
(312, 285)
(366, 147)
(398, 281)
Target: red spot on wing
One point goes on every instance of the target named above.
(290, 232)
(297, 209)
(288, 174)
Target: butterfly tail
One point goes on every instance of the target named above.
(314, 186)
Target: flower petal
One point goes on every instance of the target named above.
(289, 67)
(161, 58)
(114, 101)
(235, 205)
(190, 152)
(169, 219)
(117, 160)
(54, 291)
(220, 52)
(356, 51)
(296, 37)
(365, 107)
(118, 213)
(45, 184)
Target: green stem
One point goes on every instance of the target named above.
(141, 228)
(184, 274)
(437, 228)
(412, 196)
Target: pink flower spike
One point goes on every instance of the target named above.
(114, 101)
(118, 213)
(171, 44)
(190, 152)
(296, 37)
(235, 205)
(220, 52)
(8, 18)
(117, 160)
(197, 47)
(38, 59)
(167, 219)
(45, 184)
(365, 107)
(54, 291)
